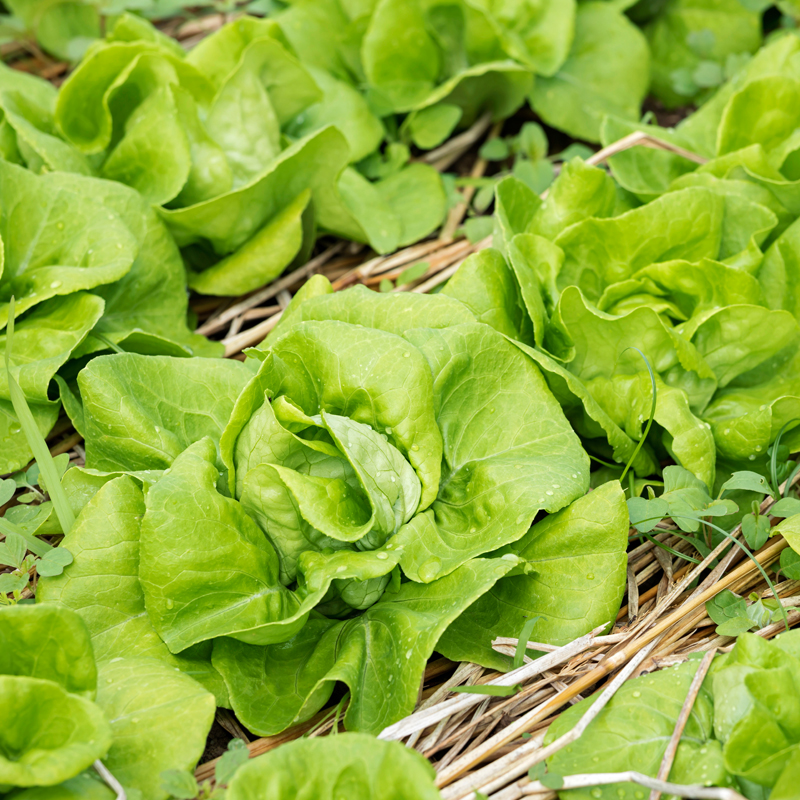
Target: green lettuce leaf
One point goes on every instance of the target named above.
(747, 415)
(577, 567)
(50, 643)
(55, 241)
(102, 583)
(691, 40)
(599, 252)
(491, 291)
(718, 339)
(143, 411)
(64, 28)
(44, 340)
(159, 720)
(622, 386)
(29, 135)
(380, 655)
(588, 417)
(151, 297)
(50, 735)
(779, 274)
(538, 35)
(188, 598)
(607, 72)
(372, 385)
(352, 763)
(633, 730)
(758, 680)
(496, 474)
(81, 787)
(394, 313)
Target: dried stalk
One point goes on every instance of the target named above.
(522, 759)
(683, 718)
(465, 673)
(446, 155)
(102, 770)
(422, 719)
(384, 263)
(642, 139)
(217, 323)
(229, 722)
(607, 778)
(250, 337)
(639, 139)
(436, 280)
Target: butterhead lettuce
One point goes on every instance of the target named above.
(326, 511)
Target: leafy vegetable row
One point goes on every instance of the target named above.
(270, 132)
(147, 724)
(696, 268)
(242, 147)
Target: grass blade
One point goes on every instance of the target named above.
(36, 546)
(35, 439)
(790, 480)
(492, 691)
(652, 413)
(522, 642)
(107, 342)
(773, 462)
(744, 550)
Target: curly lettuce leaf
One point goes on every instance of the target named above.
(607, 72)
(380, 655)
(633, 731)
(683, 225)
(151, 297)
(141, 412)
(387, 385)
(159, 720)
(189, 599)
(759, 680)
(394, 313)
(55, 241)
(51, 643)
(577, 560)
(29, 134)
(508, 451)
(355, 764)
(102, 583)
(50, 735)
(747, 415)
